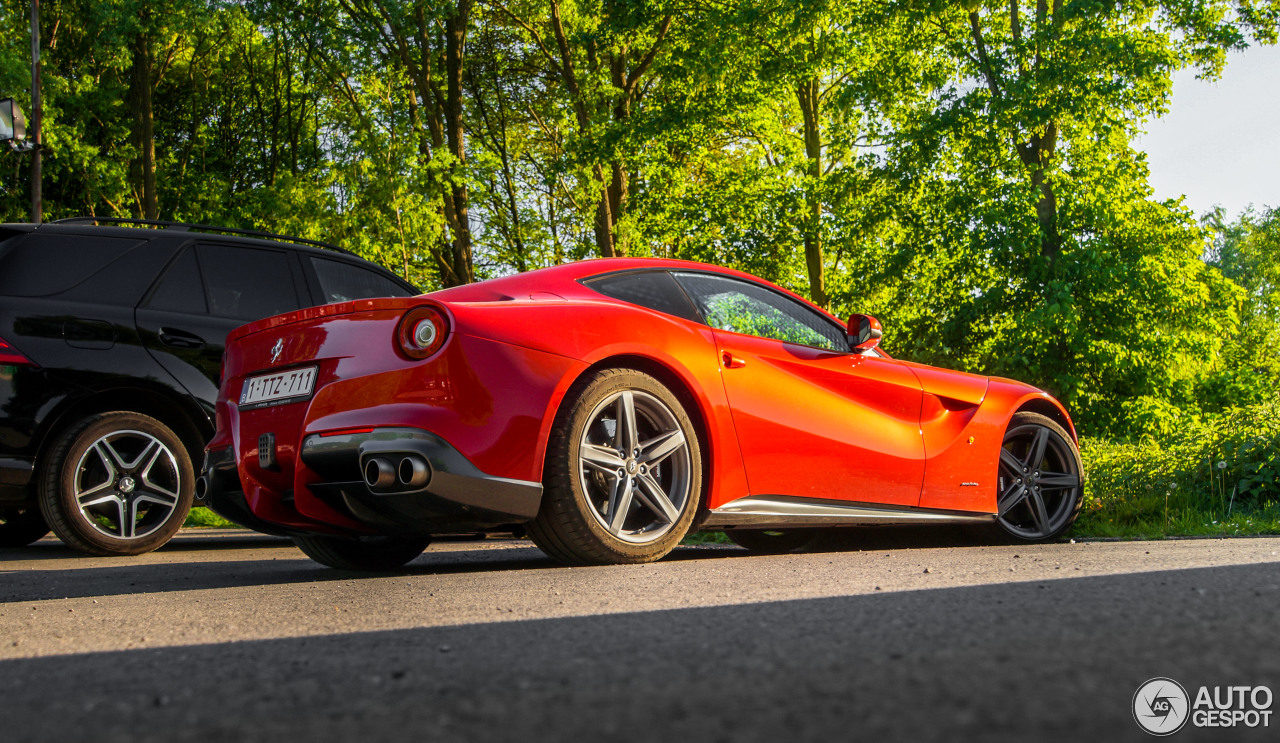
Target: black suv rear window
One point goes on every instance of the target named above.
(341, 282)
(41, 265)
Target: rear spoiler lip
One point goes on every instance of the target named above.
(333, 310)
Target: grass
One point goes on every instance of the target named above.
(1219, 476)
(203, 517)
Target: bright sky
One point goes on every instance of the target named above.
(1220, 142)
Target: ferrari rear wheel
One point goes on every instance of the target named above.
(771, 541)
(362, 553)
(1040, 484)
(624, 473)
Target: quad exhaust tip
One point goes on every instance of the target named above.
(413, 472)
(408, 472)
(379, 473)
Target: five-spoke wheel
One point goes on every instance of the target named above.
(624, 472)
(117, 484)
(1039, 483)
(634, 466)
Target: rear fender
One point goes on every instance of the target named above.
(687, 354)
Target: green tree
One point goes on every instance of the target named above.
(1247, 251)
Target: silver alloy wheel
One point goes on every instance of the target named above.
(634, 466)
(1038, 483)
(127, 484)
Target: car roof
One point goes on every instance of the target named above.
(140, 231)
(189, 232)
(566, 277)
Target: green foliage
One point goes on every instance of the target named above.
(1217, 475)
(1247, 252)
(203, 517)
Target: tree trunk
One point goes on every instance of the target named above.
(142, 170)
(604, 219)
(1035, 155)
(458, 197)
(807, 93)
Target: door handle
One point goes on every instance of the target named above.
(180, 338)
(731, 361)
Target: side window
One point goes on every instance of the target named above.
(180, 289)
(341, 282)
(247, 283)
(655, 290)
(743, 307)
(45, 264)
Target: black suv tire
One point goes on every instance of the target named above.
(113, 475)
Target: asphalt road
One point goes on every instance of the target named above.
(912, 636)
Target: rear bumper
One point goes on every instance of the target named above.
(220, 489)
(457, 497)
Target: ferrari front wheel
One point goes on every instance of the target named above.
(1040, 480)
(624, 472)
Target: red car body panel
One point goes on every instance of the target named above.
(818, 424)
(776, 418)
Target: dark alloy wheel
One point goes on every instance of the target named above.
(1040, 482)
(117, 484)
(363, 553)
(21, 526)
(624, 473)
(771, 541)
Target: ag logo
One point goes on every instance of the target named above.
(1160, 706)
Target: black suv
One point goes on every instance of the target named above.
(111, 343)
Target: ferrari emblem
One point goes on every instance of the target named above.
(276, 350)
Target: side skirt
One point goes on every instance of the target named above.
(778, 511)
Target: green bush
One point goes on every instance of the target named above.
(1219, 475)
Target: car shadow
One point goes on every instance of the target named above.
(1009, 661)
(126, 575)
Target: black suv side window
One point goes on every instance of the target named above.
(751, 309)
(247, 283)
(180, 289)
(653, 289)
(341, 282)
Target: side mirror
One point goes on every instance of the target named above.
(864, 333)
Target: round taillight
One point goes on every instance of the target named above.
(422, 332)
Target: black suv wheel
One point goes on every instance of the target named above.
(117, 484)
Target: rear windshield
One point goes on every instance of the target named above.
(41, 265)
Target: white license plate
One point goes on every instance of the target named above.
(269, 388)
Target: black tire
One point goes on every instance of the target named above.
(570, 526)
(144, 502)
(376, 554)
(1019, 523)
(21, 526)
(772, 541)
